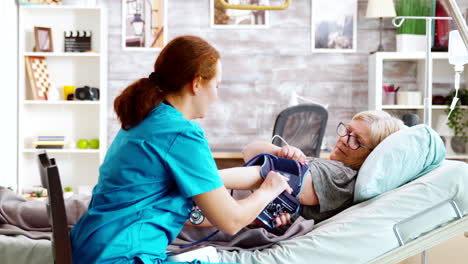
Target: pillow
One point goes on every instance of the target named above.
(400, 158)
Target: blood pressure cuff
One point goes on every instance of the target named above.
(285, 203)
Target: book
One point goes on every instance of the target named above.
(51, 139)
(49, 143)
(49, 147)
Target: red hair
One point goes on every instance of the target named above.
(183, 59)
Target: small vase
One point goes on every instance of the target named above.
(458, 145)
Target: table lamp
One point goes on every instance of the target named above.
(380, 9)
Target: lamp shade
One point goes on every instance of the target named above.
(380, 8)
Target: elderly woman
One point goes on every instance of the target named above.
(329, 186)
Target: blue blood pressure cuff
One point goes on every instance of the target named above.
(285, 203)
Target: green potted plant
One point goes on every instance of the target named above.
(411, 33)
(457, 121)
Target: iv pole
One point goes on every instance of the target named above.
(456, 14)
(428, 62)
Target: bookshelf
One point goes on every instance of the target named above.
(442, 74)
(73, 119)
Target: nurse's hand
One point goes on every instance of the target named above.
(276, 183)
(290, 152)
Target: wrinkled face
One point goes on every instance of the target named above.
(343, 153)
(208, 92)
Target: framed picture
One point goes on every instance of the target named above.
(334, 25)
(43, 39)
(38, 75)
(235, 18)
(144, 24)
(40, 2)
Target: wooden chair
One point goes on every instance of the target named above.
(50, 178)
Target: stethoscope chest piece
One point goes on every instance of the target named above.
(196, 216)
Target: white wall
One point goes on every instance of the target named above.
(8, 92)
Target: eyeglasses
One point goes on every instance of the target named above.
(353, 142)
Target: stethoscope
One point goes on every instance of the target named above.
(196, 216)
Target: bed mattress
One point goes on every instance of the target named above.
(365, 231)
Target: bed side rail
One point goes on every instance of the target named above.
(415, 226)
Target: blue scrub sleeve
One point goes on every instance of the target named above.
(192, 164)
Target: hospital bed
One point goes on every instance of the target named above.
(422, 212)
(386, 229)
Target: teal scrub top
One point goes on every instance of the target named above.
(143, 195)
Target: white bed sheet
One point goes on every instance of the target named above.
(365, 231)
(23, 250)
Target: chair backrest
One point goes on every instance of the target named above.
(43, 164)
(50, 179)
(302, 126)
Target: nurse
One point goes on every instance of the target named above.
(160, 165)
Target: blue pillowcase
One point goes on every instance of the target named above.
(400, 158)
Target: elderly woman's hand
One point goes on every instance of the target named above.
(290, 152)
(280, 220)
(283, 219)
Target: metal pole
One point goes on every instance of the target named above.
(428, 63)
(424, 257)
(428, 76)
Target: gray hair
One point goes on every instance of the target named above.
(381, 124)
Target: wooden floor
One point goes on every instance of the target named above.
(453, 251)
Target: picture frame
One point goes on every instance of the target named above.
(43, 39)
(137, 33)
(38, 76)
(238, 19)
(334, 25)
(39, 2)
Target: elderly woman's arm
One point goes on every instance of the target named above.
(308, 195)
(258, 147)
